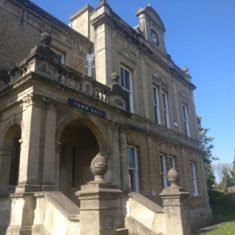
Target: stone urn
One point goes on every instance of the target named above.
(173, 177)
(99, 167)
(115, 78)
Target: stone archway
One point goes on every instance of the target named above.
(78, 147)
(9, 165)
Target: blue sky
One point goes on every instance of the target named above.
(199, 34)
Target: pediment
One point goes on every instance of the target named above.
(154, 17)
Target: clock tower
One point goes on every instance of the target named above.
(152, 28)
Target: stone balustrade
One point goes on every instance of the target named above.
(42, 62)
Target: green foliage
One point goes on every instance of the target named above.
(227, 179)
(222, 205)
(233, 171)
(206, 146)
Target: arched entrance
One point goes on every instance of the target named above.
(9, 167)
(78, 147)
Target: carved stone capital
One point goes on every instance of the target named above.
(51, 105)
(34, 99)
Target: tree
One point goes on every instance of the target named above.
(226, 180)
(206, 147)
(233, 170)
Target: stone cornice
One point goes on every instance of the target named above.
(112, 19)
(146, 126)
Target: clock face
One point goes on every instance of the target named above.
(154, 37)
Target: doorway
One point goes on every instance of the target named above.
(78, 147)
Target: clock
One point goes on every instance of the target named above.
(154, 37)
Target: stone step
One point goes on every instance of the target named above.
(122, 231)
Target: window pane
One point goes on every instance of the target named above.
(127, 80)
(133, 169)
(126, 84)
(156, 114)
(194, 178)
(184, 113)
(131, 158)
(122, 77)
(164, 101)
(162, 164)
(172, 162)
(154, 95)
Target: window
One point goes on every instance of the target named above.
(194, 178)
(165, 110)
(133, 169)
(163, 171)
(126, 84)
(186, 120)
(60, 56)
(156, 104)
(172, 162)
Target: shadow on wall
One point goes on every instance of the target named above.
(9, 172)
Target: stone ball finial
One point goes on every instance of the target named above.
(115, 78)
(45, 39)
(99, 167)
(173, 177)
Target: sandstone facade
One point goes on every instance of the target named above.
(136, 107)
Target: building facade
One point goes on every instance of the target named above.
(68, 93)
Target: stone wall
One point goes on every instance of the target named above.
(21, 25)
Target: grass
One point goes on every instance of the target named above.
(227, 228)
(223, 207)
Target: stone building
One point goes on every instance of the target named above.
(98, 86)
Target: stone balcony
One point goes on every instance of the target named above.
(44, 62)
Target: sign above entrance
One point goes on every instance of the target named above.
(87, 108)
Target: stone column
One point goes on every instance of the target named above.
(30, 147)
(22, 213)
(49, 158)
(175, 207)
(100, 207)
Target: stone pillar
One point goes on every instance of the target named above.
(103, 45)
(175, 207)
(30, 147)
(100, 203)
(49, 160)
(22, 213)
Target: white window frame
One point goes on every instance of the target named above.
(165, 109)
(62, 55)
(194, 178)
(133, 170)
(186, 120)
(172, 162)
(156, 104)
(130, 91)
(163, 171)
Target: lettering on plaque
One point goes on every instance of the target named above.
(86, 107)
